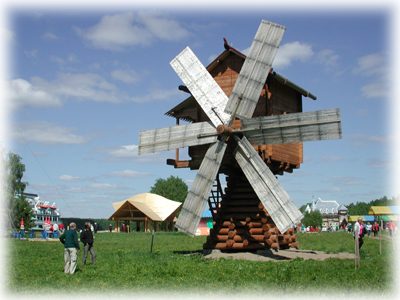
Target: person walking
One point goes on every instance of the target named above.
(71, 246)
(87, 240)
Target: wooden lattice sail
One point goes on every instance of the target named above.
(250, 136)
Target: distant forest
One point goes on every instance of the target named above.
(362, 208)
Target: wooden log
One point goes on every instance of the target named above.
(254, 224)
(231, 234)
(286, 238)
(223, 231)
(273, 231)
(239, 245)
(229, 243)
(258, 237)
(222, 238)
(294, 245)
(266, 235)
(245, 243)
(220, 246)
(266, 227)
(256, 231)
(290, 231)
(293, 238)
(238, 238)
(273, 238)
(264, 220)
(226, 223)
(275, 246)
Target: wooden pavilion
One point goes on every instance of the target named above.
(144, 209)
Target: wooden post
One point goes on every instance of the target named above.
(152, 239)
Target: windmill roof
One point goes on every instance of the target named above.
(190, 102)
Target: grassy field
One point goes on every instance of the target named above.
(124, 263)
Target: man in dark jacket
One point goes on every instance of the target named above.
(87, 240)
(71, 246)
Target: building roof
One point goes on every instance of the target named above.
(155, 207)
(190, 102)
(325, 206)
(342, 207)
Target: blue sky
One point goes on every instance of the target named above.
(84, 84)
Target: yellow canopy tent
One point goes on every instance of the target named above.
(380, 210)
(144, 207)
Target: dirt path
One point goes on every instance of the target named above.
(279, 255)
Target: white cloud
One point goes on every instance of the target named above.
(68, 177)
(31, 53)
(103, 186)
(163, 28)
(46, 133)
(328, 57)
(126, 151)
(116, 32)
(71, 58)
(371, 64)
(377, 89)
(23, 93)
(125, 76)
(49, 36)
(84, 86)
(291, 52)
(157, 95)
(129, 173)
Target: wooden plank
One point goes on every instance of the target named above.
(197, 197)
(255, 69)
(202, 86)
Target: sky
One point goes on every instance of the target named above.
(83, 84)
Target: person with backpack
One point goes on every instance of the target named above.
(71, 246)
(88, 240)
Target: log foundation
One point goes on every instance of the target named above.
(241, 223)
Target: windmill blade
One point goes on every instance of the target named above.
(201, 85)
(274, 198)
(293, 128)
(169, 138)
(196, 200)
(255, 69)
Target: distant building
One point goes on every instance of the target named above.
(42, 210)
(333, 214)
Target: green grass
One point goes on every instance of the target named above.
(124, 263)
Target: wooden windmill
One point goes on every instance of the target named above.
(255, 211)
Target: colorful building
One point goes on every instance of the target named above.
(42, 211)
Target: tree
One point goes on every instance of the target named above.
(18, 206)
(173, 188)
(313, 219)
